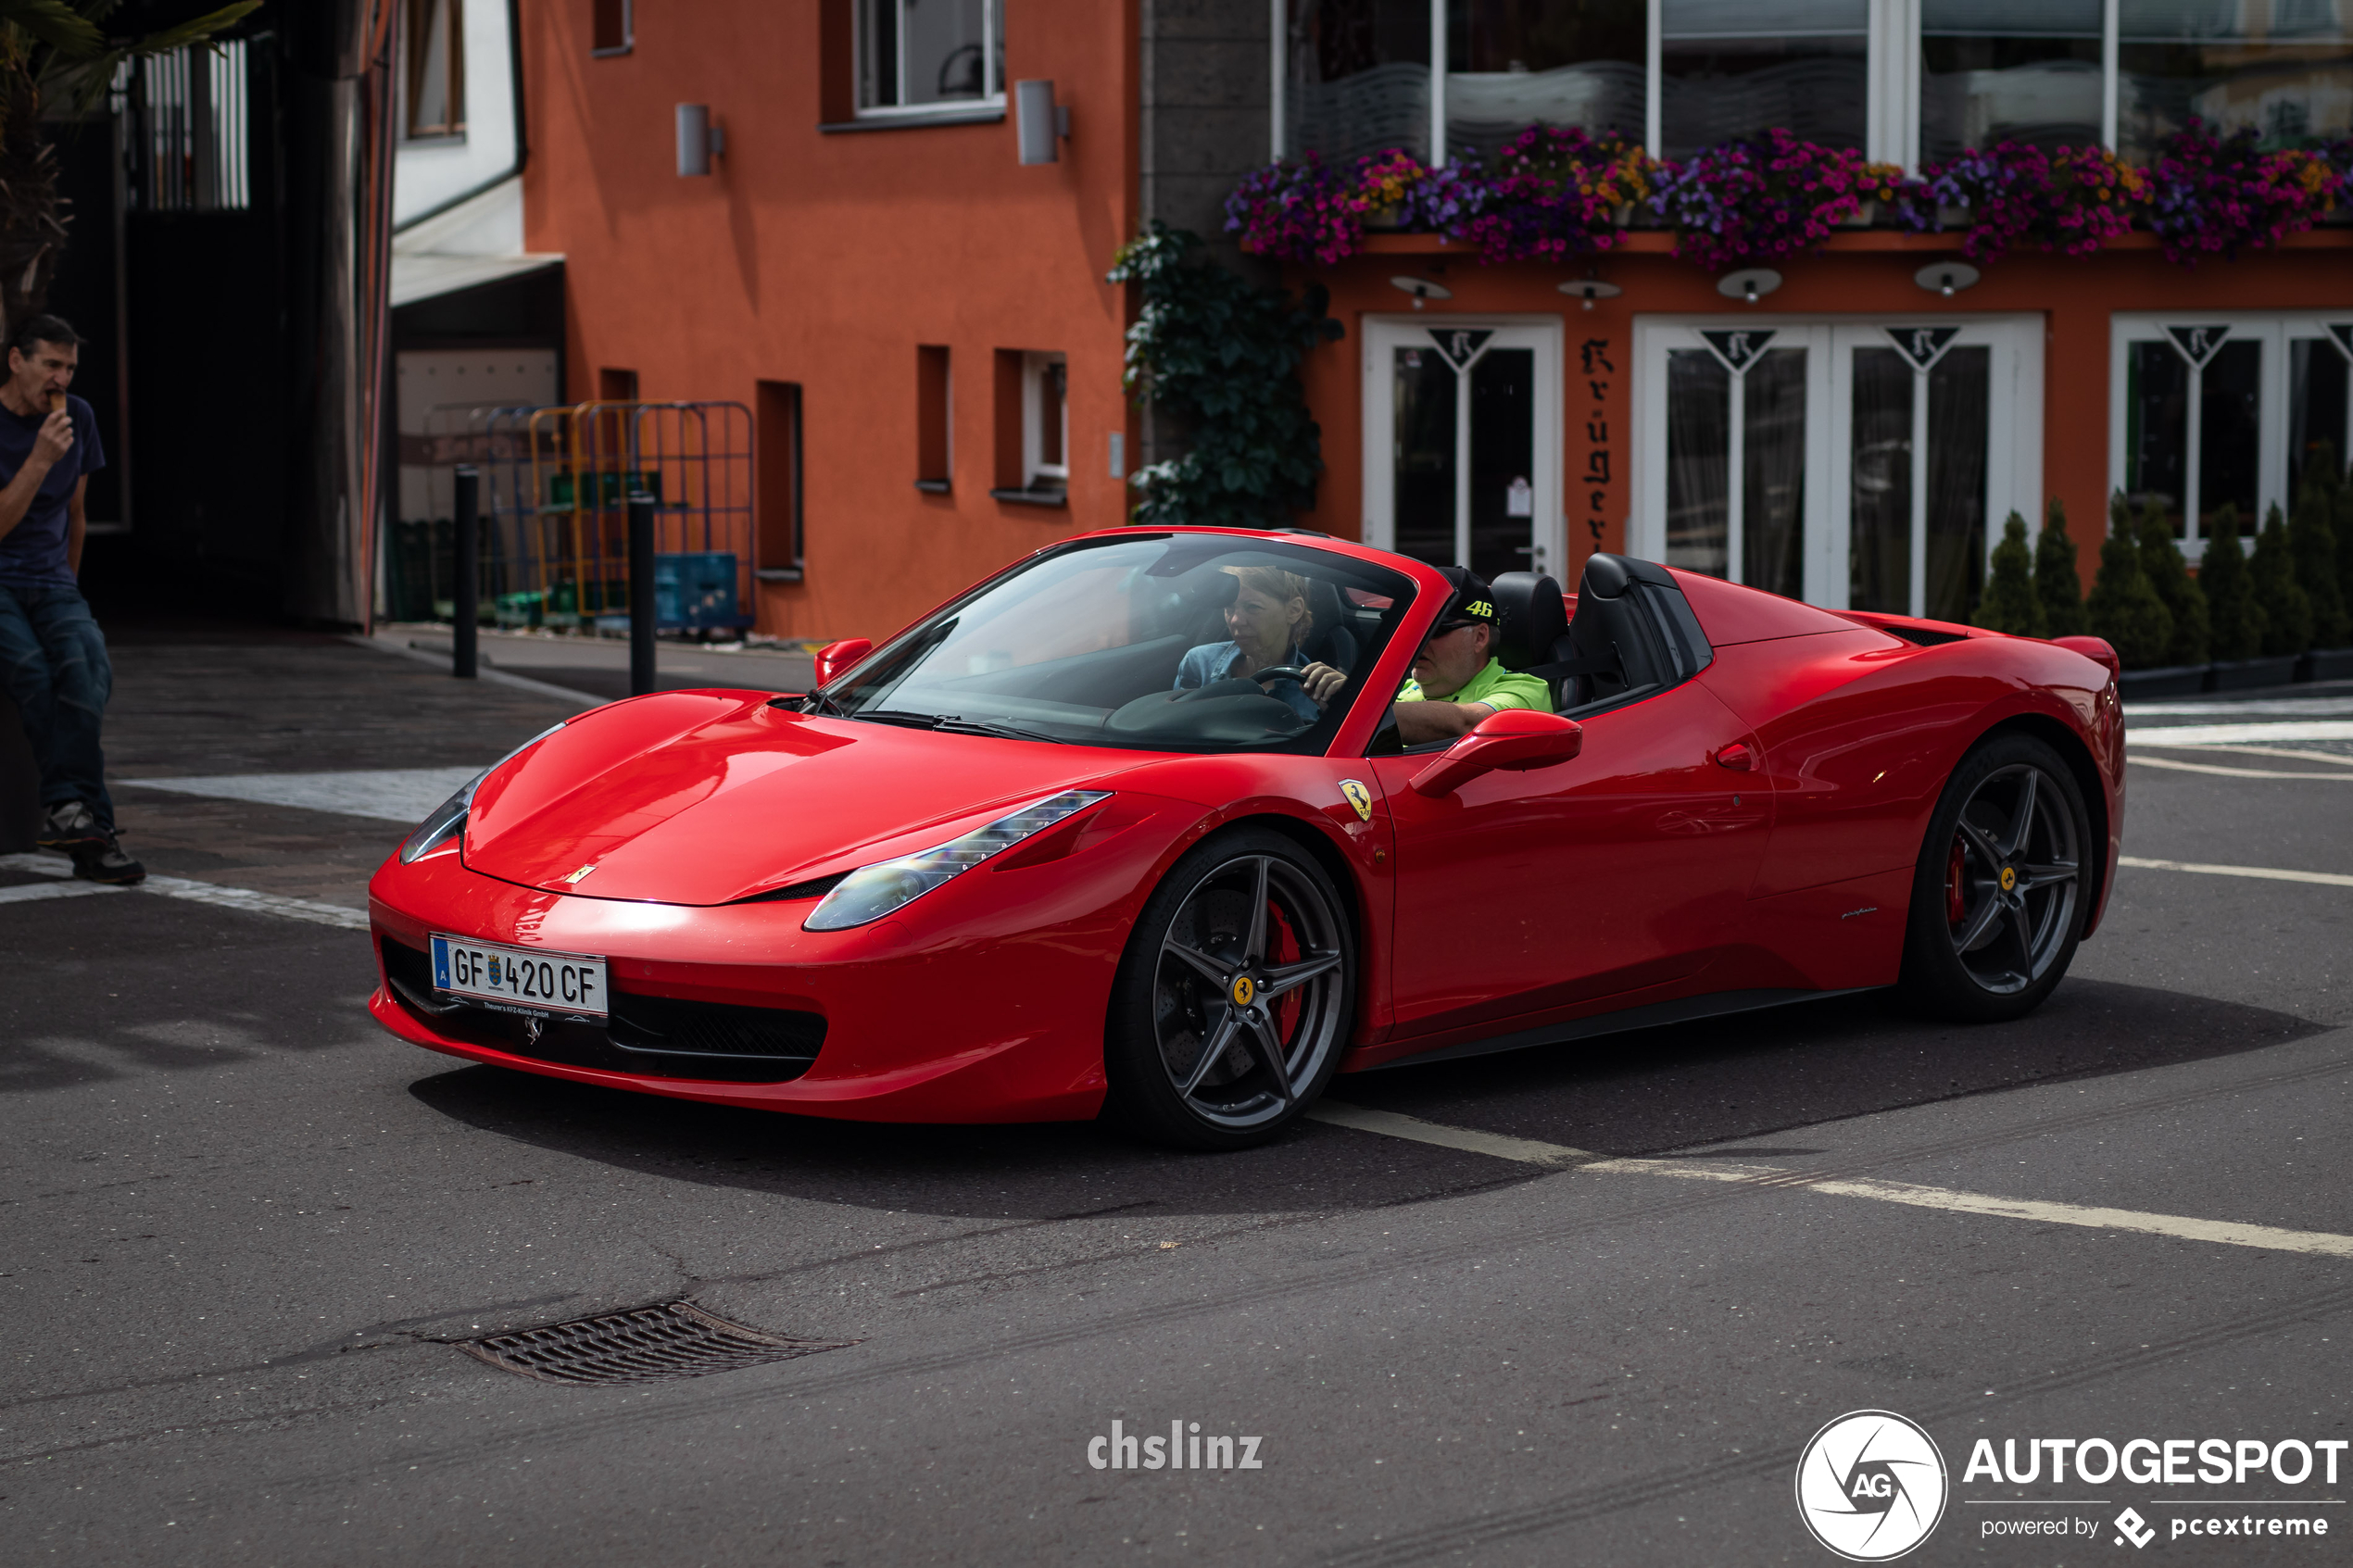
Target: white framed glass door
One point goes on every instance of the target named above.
(2226, 407)
(1462, 441)
(1855, 464)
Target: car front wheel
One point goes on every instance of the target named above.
(1234, 998)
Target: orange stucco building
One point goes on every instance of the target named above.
(918, 320)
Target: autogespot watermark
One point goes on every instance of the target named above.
(1871, 1486)
(1185, 1448)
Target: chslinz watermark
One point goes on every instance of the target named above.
(1185, 1448)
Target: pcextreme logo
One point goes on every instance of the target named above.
(1871, 1486)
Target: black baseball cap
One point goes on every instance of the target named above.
(1473, 603)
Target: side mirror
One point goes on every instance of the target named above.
(834, 658)
(1518, 739)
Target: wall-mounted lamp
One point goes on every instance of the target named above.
(1947, 277)
(1040, 123)
(1591, 289)
(1421, 289)
(1749, 284)
(699, 140)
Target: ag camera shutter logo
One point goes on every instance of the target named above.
(1871, 1486)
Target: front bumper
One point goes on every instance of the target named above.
(985, 1002)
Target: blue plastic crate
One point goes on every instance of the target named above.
(697, 589)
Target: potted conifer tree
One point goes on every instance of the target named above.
(2058, 584)
(2010, 603)
(2287, 610)
(2185, 651)
(2126, 610)
(2317, 545)
(2236, 636)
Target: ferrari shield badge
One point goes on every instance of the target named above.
(1358, 796)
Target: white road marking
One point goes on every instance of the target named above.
(54, 890)
(391, 794)
(1528, 1152)
(2308, 707)
(213, 892)
(2181, 767)
(2183, 1227)
(2266, 873)
(2339, 758)
(2228, 734)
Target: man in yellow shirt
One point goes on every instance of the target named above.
(1457, 681)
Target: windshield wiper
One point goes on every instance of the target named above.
(818, 702)
(954, 723)
(896, 716)
(988, 727)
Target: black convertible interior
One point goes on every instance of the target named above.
(1633, 633)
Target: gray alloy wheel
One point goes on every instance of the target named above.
(1999, 896)
(2012, 887)
(1233, 1004)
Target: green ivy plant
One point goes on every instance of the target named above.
(1222, 355)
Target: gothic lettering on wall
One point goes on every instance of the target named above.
(1596, 354)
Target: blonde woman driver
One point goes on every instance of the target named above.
(1267, 625)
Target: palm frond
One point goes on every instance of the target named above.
(56, 23)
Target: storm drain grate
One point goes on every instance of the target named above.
(650, 1344)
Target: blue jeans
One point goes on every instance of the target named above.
(53, 659)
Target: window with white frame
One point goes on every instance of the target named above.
(2225, 409)
(1045, 423)
(1901, 80)
(433, 68)
(927, 55)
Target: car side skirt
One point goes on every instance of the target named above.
(1683, 1009)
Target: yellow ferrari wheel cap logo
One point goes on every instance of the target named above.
(1359, 796)
(2010, 879)
(1244, 990)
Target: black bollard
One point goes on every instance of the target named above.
(641, 593)
(466, 572)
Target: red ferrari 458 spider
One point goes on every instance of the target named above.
(1052, 852)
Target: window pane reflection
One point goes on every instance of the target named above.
(2156, 391)
(2282, 67)
(1359, 78)
(1773, 476)
(1516, 63)
(1698, 455)
(1958, 419)
(1733, 69)
(2317, 378)
(1879, 551)
(2016, 71)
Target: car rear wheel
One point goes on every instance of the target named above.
(1234, 998)
(1998, 900)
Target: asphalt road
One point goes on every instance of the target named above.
(242, 1228)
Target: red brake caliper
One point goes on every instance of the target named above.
(1953, 909)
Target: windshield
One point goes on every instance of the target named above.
(1160, 642)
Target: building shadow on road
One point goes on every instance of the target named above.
(1639, 1092)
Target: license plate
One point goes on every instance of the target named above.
(519, 979)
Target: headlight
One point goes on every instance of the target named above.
(872, 892)
(450, 815)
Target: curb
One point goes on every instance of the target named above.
(520, 682)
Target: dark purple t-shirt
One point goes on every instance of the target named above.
(34, 551)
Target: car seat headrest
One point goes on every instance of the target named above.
(1534, 618)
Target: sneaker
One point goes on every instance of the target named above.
(70, 823)
(104, 862)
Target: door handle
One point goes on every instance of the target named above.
(1737, 756)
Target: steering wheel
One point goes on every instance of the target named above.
(1280, 672)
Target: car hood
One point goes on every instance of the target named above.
(706, 797)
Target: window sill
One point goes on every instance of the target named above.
(435, 139)
(992, 114)
(1032, 498)
(935, 487)
(778, 574)
(617, 49)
